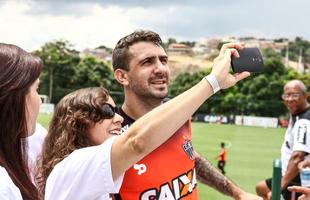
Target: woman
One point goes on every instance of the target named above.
(84, 157)
(19, 107)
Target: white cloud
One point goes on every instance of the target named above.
(90, 23)
(102, 25)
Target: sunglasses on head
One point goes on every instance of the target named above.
(108, 111)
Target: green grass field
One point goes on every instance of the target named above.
(44, 119)
(249, 159)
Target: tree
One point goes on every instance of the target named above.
(58, 62)
(259, 95)
(296, 46)
(171, 41)
(107, 49)
(91, 72)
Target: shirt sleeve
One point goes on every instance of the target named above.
(84, 174)
(301, 133)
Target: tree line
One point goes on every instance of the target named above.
(260, 95)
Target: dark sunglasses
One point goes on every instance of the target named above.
(107, 111)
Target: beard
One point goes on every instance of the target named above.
(149, 91)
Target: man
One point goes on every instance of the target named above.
(296, 145)
(222, 158)
(141, 66)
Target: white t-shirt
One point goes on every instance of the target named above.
(297, 138)
(85, 174)
(35, 143)
(8, 190)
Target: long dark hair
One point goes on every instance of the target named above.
(18, 71)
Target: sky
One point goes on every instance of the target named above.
(91, 23)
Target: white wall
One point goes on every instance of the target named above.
(47, 108)
(256, 121)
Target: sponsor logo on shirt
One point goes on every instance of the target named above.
(302, 134)
(141, 168)
(188, 148)
(178, 188)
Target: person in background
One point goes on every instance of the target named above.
(222, 158)
(19, 106)
(141, 66)
(296, 145)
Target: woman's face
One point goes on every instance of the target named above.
(33, 102)
(104, 129)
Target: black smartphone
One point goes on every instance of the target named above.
(250, 60)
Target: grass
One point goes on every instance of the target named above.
(44, 119)
(249, 159)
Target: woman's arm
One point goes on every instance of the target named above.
(155, 127)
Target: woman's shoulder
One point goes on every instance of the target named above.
(89, 167)
(93, 154)
(8, 190)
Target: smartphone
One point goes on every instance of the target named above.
(250, 60)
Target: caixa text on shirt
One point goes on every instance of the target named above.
(179, 187)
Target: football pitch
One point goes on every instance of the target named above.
(250, 152)
(249, 157)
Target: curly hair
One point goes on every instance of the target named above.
(69, 129)
(120, 56)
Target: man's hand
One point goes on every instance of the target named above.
(221, 66)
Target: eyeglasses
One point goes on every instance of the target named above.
(293, 96)
(107, 111)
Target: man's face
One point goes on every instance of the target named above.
(148, 73)
(294, 98)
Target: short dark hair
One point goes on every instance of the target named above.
(120, 55)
